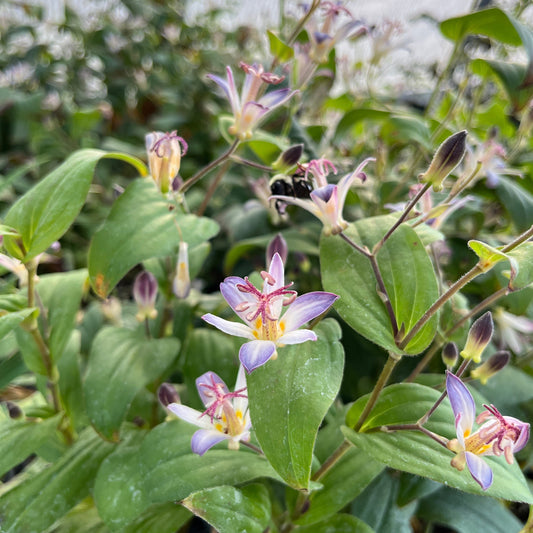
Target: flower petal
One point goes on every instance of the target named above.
(190, 415)
(231, 328)
(235, 297)
(204, 439)
(346, 182)
(210, 379)
(297, 337)
(275, 98)
(241, 404)
(479, 469)
(462, 404)
(305, 308)
(256, 353)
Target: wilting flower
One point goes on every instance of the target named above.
(261, 312)
(226, 416)
(145, 294)
(182, 281)
(164, 157)
(249, 108)
(498, 435)
(327, 202)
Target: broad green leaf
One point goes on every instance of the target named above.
(19, 439)
(47, 210)
(415, 487)
(488, 255)
(354, 116)
(229, 509)
(83, 518)
(340, 523)
(407, 273)
(409, 129)
(9, 321)
(289, 397)
(281, 51)
(160, 518)
(140, 226)
(61, 295)
(11, 368)
(343, 482)
(172, 471)
(521, 266)
(467, 513)
(30, 352)
(120, 364)
(118, 487)
(414, 452)
(38, 502)
(518, 202)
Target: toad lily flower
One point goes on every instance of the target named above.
(499, 435)
(261, 312)
(248, 108)
(226, 416)
(327, 202)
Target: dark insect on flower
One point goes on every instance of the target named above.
(296, 186)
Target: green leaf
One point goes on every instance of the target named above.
(61, 295)
(521, 266)
(38, 502)
(10, 368)
(118, 487)
(409, 129)
(9, 321)
(160, 518)
(340, 523)
(343, 482)
(172, 471)
(19, 439)
(281, 51)
(354, 116)
(229, 510)
(289, 397)
(488, 255)
(467, 513)
(47, 210)
(154, 231)
(120, 364)
(414, 452)
(407, 273)
(518, 202)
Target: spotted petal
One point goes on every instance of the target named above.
(256, 353)
(204, 439)
(479, 469)
(305, 308)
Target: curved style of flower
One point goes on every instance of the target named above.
(499, 435)
(327, 202)
(226, 416)
(248, 108)
(261, 312)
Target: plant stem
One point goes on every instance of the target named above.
(392, 361)
(212, 188)
(518, 241)
(416, 427)
(201, 173)
(252, 447)
(355, 246)
(248, 163)
(331, 460)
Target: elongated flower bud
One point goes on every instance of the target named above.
(446, 158)
(491, 367)
(167, 394)
(288, 158)
(450, 354)
(145, 294)
(181, 285)
(479, 337)
(278, 245)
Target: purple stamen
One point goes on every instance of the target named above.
(216, 391)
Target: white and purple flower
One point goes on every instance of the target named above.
(498, 435)
(261, 313)
(226, 416)
(249, 108)
(327, 201)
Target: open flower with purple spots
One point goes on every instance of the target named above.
(261, 312)
(327, 201)
(226, 416)
(249, 108)
(498, 435)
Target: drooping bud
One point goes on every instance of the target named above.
(13, 410)
(181, 285)
(277, 245)
(450, 354)
(167, 394)
(288, 158)
(491, 367)
(164, 157)
(446, 158)
(145, 294)
(479, 337)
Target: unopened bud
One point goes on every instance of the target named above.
(446, 158)
(450, 354)
(288, 158)
(478, 337)
(181, 285)
(167, 394)
(145, 294)
(492, 366)
(277, 245)
(164, 157)
(13, 410)
(112, 310)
